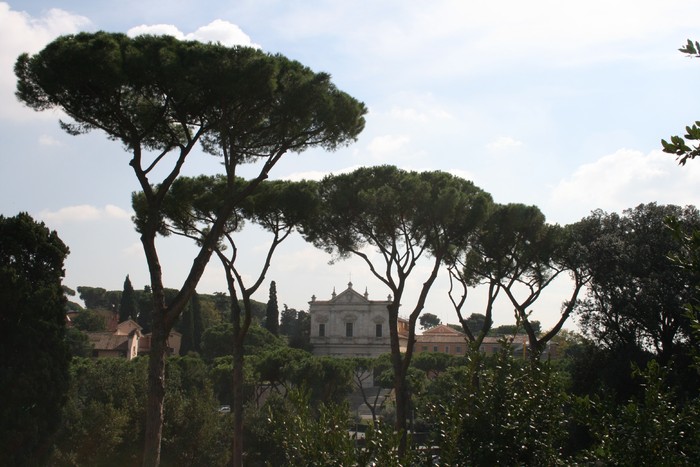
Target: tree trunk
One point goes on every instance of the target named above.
(162, 321)
(400, 390)
(156, 359)
(237, 454)
(156, 395)
(402, 399)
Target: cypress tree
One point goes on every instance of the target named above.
(127, 304)
(272, 314)
(145, 309)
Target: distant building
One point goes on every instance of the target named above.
(172, 344)
(125, 340)
(443, 339)
(493, 344)
(352, 325)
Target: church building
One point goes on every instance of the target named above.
(352, 325)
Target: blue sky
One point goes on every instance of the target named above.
(557, 104)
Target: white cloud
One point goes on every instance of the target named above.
(454, 38)
(411, 106)
(504, 143)
(465, 174)
(623, 180)
(408, 114)
(84, 213)
(156, 30)
(382, 146)
(218, 30)
(224, 32)
(115, 212)
(22, 33)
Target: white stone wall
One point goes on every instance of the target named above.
(349, 307)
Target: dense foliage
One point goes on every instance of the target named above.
(159, 97)
(33, 350)
(475, 410)
(624, 393)
(637, 294)
(103, 418)
(612, 395)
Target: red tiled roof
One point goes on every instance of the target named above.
(108, 341)
(442, 329)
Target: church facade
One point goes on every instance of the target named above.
(352, 325)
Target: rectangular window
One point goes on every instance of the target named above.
(447, 349)
(425, 348)
(435, 348)
(378, 330)
(348, 329)
(322, 330)
(458, 349)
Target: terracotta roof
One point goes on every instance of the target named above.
(108, 341)
(127, 327)
(442, 329)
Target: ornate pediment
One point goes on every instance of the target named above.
(349, 295)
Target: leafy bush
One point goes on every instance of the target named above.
(103, 418)
(653, 429)
(498, 412)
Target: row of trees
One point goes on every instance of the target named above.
(161, 97)
(474, 410)
(446, 222)
(618, 238)
(634, 229)
(613, 262)
(252, 106)
(407, 217)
